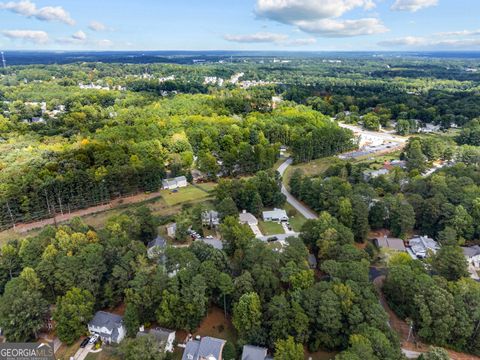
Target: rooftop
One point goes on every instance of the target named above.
(390, 243)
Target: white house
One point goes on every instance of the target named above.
(422, 246)
(174, 183)
(275, 215)
(472, 254)
(108, 326)
(172, 229)
(163, 337)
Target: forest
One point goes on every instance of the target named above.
(82, 134)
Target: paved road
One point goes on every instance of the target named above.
(302, 209)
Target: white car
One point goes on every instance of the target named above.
(93, 339)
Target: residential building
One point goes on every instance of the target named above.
(174, 183)
(216, 243)
(163, 337)
(108, 326)
(275, 215)
(206, 348)
(251, 352)
(210, 218)
(372, 174)
(247, 218)
(390, 243)
(420, 247)
(172, 230)
(472, 254)
(156, 247)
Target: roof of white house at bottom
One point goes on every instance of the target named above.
(251, 352)
(208, 348)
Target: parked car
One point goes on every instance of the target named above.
(93, 339)
(209, 237)
(272, 238)
(84, 342)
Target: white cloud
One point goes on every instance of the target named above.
(79, 35)
(343, 28)
(291, 11)
(104, 43)
(322, 18)
(300, 42)
(405, 41)
(47, 13)
(273, 38)
(97, 26)
(35, 36)
(412, 5)
(431, 43)
(460, 33)
(261, 37)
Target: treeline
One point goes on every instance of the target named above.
(252, 195)
(125, 149)
(442, 309)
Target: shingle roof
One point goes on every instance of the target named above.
(205, 348)
(251, 352)
(160, 334)
(107, 320)
(391, 243)
(158, 241)
(471, 251)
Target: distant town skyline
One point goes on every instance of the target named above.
(305, 25)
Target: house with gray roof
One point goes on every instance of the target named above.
(206, 348)
(163, 337)
(156, 247)
(275, 215)
(246, 218)
(251, 352)
(210, 218)
(109, 327)
(390, 243)
(422, 246)
(472, 254)
(174, 183)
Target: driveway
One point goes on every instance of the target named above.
(256, 230)
(81, 354)
(302, 209)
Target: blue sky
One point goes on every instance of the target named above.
(240, 25)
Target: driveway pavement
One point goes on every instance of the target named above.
(302, 209)
(81, 354)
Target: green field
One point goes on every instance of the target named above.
(296, 219)
(270, 228)
(186, 194)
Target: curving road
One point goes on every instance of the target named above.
(302, 209)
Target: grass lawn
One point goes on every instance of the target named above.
(65, 351)
(296, 220)
(270, 228)
(186, 194)
(105, 354)
(311, 168)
